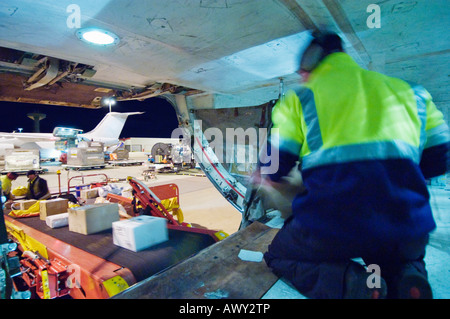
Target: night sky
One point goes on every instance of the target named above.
(159, 119)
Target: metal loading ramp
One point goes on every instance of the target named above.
(216, 272)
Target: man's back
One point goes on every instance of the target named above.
(6, 184)
(356, 106)
(361, 136)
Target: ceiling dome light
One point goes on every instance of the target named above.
(97, 36)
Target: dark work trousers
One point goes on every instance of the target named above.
(317, 266)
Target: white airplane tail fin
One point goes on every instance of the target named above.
(109, 127)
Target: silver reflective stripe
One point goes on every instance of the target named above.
(438, 135)
(358, 152)
(290, 146)
(282, 144)
(313, 134)
(421, 100)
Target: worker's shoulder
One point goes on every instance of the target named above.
(374, 75)
(41, 180)
(299, 93)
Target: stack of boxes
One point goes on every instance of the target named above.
(54, 212)
(52, 207)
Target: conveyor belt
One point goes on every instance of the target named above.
(142, 264)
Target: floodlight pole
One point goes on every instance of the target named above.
(111, 101)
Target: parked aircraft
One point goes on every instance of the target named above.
(107, 131)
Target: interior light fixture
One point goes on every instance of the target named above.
(97, 36)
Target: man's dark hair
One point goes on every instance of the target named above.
(31, 172)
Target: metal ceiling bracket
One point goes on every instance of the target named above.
(52, 73)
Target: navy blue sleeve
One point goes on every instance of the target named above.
(435, 160)
(286, 160)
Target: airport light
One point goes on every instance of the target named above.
(109, 101)
(97, 36)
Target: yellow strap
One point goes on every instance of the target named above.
(27, 242)
(45, 284)
(172, 205)
(221, 235)
(178, 213)
(115, 285)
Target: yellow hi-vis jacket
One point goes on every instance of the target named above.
(6, 184)
(348, 113)
(361, 138)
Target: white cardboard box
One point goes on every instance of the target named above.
(57, 221)
(140, 232)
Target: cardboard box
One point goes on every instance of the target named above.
(93, 218)
(24, 204)
(89, 193)
(52, 207)
(140, 232)
(57, 221)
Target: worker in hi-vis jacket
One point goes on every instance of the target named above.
(366, 143)
(6, 184)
